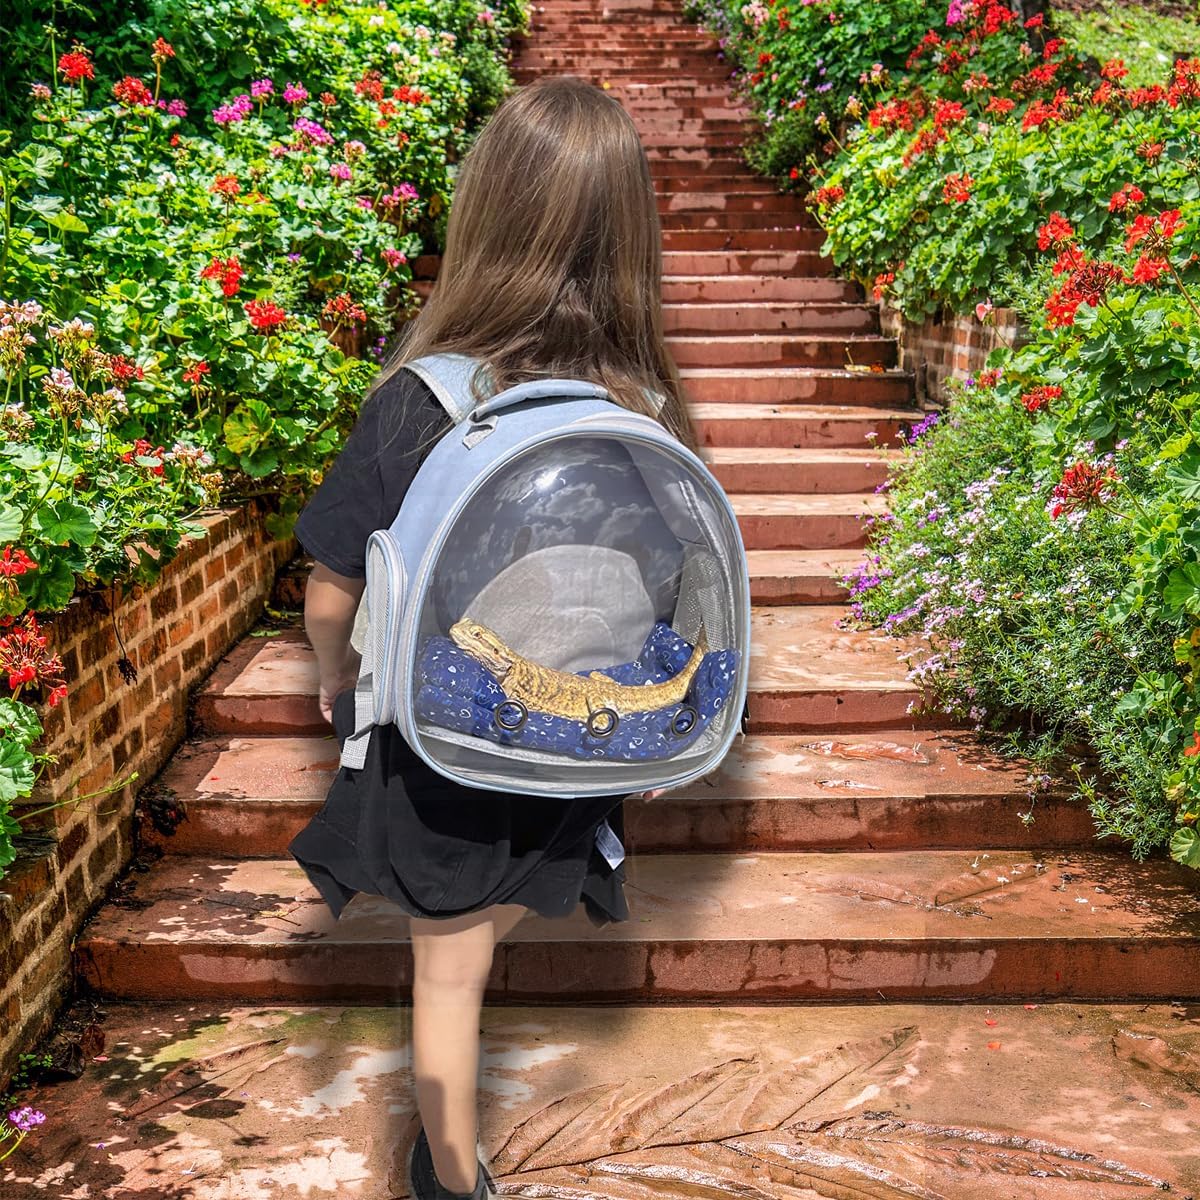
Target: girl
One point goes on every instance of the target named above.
(552, 269)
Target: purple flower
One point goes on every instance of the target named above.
(25, 1118)
(177, 108)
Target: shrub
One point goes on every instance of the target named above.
(1042, 540)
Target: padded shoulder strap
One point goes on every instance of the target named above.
(448, 376)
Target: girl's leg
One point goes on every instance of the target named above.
(451, 962)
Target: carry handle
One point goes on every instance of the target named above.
(538, 389)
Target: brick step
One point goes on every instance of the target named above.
(897, 789)
(584, 35)
(759, 289)
(1092, 1107)
(786, 350)
(779, 577)
(800, 426)
(786, 521)
(787, 218)
(805, 674)
(735, 240)
(905, 925)
(749, 469)
(807, 263)
(769, 316)
(683, 185)
(713, 75)
(762, 204)
(626, 58)
(710, 165)
(797, 385)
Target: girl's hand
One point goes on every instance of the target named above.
(336, 683)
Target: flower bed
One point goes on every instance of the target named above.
(200, 232)
(1041, 541)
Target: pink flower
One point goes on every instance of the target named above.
(295, 93)
(177, 108)
(984, 310)
(261, 88)
(340, 170)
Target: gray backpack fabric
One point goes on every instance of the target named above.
(561, 606)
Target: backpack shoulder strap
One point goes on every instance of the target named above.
(448, 376)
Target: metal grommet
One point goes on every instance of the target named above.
(684, 721)
(518, 715)
(603, 723)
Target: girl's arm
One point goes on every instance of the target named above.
(330, 602)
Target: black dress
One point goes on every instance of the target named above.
(396, 828)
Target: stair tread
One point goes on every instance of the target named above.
(761, 504)
(929, 1066)
(787, 767)
(800, 454)
(843, 896)
(790, 412)
(792, 648)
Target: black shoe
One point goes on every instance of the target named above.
(427, 1186)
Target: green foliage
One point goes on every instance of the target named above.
(798, 63)
(1147, 41)
(1044, 537)
(194, 260)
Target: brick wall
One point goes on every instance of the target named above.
(947, 345)
(174, 631)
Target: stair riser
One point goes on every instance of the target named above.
(759, 289)
(768, 351)
(800, 432)
(819, 531)
(684, 185)
(806, 263)
(699, 167)
(685, 60)
(741, 240)
(766, 205)
(806, 479)
(252, 828)
(687, 972)
(865, 390)
(700, 319)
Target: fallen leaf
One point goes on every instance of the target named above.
(987, 1022)
(993, 1045)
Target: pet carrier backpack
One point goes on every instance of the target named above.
(562, 605)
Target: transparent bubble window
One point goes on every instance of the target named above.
(580, 622)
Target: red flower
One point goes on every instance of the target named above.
(1114, 69)
(1055, 231)
(1036, 21)
(1147, 269)
(882, 280)
(266, 317)
(1083, 485)
(765, 57)
(132, 92)
(410, 95)
(1150, 151)
(1144, 97)
(1039, 397)
(1156, 232)
(14, 561)
(162, 50)
(1052, 47)
(1000, 105)
(1060, 308)
(892, 114)
(1129, 194)
(76, 64)
(196, 372)
(25, 659)
(328, 99)
(122, 370)
(957, 188)
(225, 186)
(948, 112)
(925, 141)
(227, 272)
(1040, 113)
(830, 196)
(343, 310)
(1186, 84)
(370, 86)
(1090, 281)
(1069, 258)
(143, 449)
(1194, 748)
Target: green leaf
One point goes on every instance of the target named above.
(248, 427)
(65, 522)
(16, 771)
(10, 523)
(1185, 846)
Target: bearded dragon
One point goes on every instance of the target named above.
(561, 694)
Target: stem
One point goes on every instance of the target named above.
(1183, 290)
(115, 786)
(5, 219)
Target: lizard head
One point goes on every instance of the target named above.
(481, 643)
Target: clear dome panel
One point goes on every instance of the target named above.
(578, 629)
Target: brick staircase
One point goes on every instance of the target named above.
(842, 854)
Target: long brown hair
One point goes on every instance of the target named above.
(553, 261)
